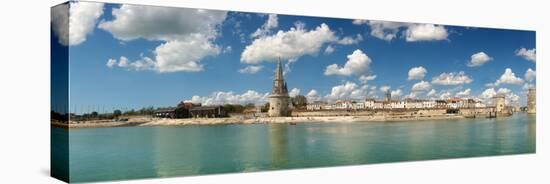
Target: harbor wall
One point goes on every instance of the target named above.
(395, 112)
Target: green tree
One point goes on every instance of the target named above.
(299, 101)
(131, 112)
(117, 113)
(229, 107)
(265, 108)
(234, 108)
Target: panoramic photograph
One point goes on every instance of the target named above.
(146, 91)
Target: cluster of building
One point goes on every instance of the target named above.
(191, 110)
(388, 103)
(452, 103)
(279, 102)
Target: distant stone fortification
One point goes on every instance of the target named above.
(532, 101)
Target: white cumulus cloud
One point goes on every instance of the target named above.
(357, 63)
(329, 50)
(111, 63)
(503, 91)
(530, 75)
(294, 92)
(488, 93)
(452, 78)
(510, 97)
(313, 95)
(384, 88)
(413, 94)
(144, 63)
(432, 93)
(221, 97)
(508, 77)
(184, 55)
(464, 93)
(528, 54)
(293, 44)
(187, 34)
(445, 95)
(396, 93)
(252, 69)
(270, 23)
(417, 73)
(349, 90)
(479, 59)
(161, 23)
(348, 40)
(385, 30)
(287, 45)
(425, 32)
(60, 23)
(421, 86)
(74, 21)
(527, 86)
(366, 78)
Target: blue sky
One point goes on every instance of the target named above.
(137, 56)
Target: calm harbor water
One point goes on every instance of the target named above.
(142, 152)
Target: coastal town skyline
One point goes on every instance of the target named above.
(218, 57)
(181, 92)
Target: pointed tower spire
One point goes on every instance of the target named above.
(279, 73)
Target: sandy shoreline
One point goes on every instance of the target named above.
(145, 121)
(262, 120)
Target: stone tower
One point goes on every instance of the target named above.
(499, 103)
(532, 101)
(279, 99)
(388, 96)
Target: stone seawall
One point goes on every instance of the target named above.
(484, 112)
(382, 112)
(395, 112)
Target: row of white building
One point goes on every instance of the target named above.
(452, 103)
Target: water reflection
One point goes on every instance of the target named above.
(111, 154)
(170, 144)
(138, 152)
(253, 148)
(278, 142)
(532, 126)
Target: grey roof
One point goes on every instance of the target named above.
(169, 109)
(205, 108)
